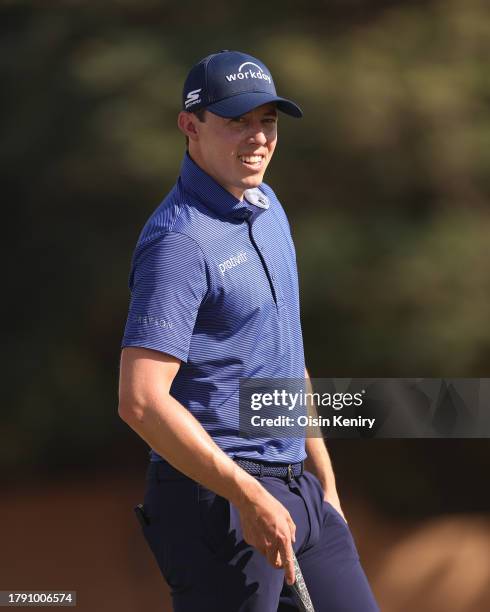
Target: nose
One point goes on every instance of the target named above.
(257, 134)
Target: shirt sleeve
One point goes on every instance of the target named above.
(168, 282)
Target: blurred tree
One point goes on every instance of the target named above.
(386, 181)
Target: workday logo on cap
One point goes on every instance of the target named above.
(230, 84)
(254, 72)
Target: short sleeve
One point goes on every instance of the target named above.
(168, 283)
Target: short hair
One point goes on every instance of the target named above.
(201, 116)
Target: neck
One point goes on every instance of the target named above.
(236, 192)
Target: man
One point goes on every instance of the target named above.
(215, 299)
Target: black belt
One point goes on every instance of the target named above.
(161, 470)
(289, 471)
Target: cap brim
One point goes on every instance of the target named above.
(239, 104)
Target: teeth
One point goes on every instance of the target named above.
(251, 159)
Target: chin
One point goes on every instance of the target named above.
(252, 181)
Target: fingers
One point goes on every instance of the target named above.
(281, 556)
(286, 555)
(277, 561)
(273, 535)
(292, 528)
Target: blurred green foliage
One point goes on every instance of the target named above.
(386, 181)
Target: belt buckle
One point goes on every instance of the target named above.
(290, 473)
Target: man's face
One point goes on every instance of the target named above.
(236, 152)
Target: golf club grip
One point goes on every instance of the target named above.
(300, 590)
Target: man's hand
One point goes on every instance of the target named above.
(335, 501)
(268, 526)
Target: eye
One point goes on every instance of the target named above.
(270, 120)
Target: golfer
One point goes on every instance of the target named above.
(214, 298)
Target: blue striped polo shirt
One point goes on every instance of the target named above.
(214, 283)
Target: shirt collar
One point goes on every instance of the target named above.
(211, 193)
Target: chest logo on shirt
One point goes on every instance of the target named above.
(232, 262)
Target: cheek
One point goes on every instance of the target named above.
(225, 146)
(272, 145)
(222, 153)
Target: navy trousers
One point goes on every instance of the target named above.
(196, 538)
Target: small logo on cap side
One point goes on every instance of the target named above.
(248, 74)
(193, 98)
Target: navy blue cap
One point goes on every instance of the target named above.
(230, 84)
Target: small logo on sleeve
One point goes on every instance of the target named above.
(232, 262)
(152, 320)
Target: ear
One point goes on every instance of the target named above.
(187, 123)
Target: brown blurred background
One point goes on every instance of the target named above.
(387, 185)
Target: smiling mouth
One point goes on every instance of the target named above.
(252, 161)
